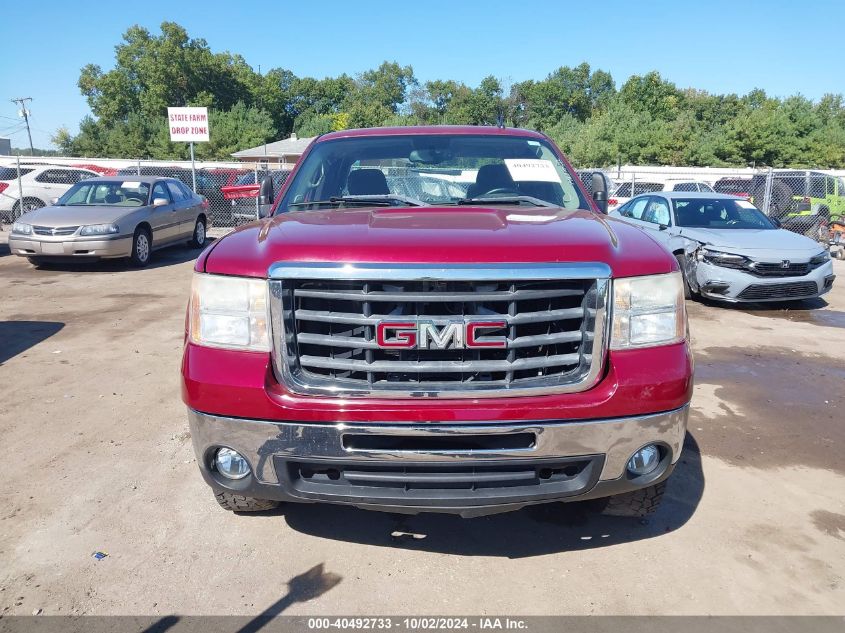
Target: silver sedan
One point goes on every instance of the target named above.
(128, 216)
(729, 250)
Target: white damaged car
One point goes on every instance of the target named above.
(729, 250)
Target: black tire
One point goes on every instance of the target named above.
(141, 250)
(240, 503)
(638, 503)
(29, 204)
(687, 289)
(199, 237)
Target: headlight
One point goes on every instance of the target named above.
(99, 229)
(648, 311)
(820, 259)
(718, 258)
(22, 229)
(229, 312)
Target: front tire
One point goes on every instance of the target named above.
(199, 237)
(687, 289)
(142, 246)
(638, 503)
(240, 503)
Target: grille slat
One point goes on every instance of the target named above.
(324, 332)
(436, 367)
(518, 319)
(453, 297)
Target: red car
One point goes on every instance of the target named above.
(507, 346)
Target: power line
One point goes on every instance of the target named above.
(22, 101)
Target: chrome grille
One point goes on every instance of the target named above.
(59, 230)
(325, 341)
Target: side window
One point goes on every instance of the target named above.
(637, 207)
(76, 176)
(185, 190)
(177, 194)
(703, 186)
(160, 191)
(657, 212)
(685, 186)
(624, 190)
(47, 176)
(831, 186)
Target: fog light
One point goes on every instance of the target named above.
(644, 461)
(231, 464)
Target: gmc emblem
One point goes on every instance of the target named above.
(456, 334)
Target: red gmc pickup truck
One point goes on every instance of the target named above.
(436, 319)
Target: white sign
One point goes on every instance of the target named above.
(188, 124)
(532, 170)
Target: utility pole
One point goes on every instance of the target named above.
(22, 102)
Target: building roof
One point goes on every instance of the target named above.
(292, 146)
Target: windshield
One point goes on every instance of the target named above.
(432, 169)
(720, 214)
(118, 193)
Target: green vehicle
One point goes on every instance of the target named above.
(803, 200)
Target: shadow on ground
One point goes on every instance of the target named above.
(169, 256)
(18, 336)
(532, 531)
(302, 588)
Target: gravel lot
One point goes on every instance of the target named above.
(97, 456)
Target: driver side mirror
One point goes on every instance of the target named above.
(159, 202)
(600, 186)
(53, 200)
(265, 193)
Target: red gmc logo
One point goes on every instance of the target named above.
(439, 334)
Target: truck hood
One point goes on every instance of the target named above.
(75, 216)
(746, 241)
(474, 235)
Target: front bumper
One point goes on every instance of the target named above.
(31, 246)
(462, 468)
(737, 286)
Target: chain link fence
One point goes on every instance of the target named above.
(230, 188)
(809, 202)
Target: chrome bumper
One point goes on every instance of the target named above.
(267, 444)
(26, 246)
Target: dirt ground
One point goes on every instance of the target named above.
(96, 456)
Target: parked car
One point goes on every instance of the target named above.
(112, 217)
(740, 187)
(40, 184)
(363, 347)
(729, 250)
(626, 190)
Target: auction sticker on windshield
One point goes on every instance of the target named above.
(532, 170)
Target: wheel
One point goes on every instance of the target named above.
(638, 503)
(198, 238)
(141, 247)
(687, 289)
(29, 204)
(240, 503)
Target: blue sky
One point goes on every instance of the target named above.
(720, 46)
